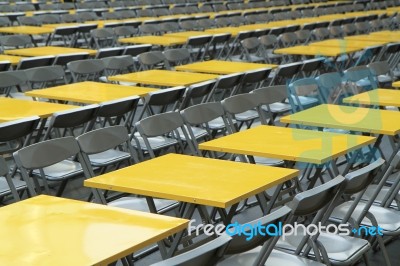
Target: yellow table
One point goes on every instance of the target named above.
(373, 38)
(347, 117)
(14, 60)
(47, 230)
(392, 34)
(317, 50)
(186, 34)
(12, 109)
(165, 78)
(222, 67)
(48, 50)
(89, 92)
(155, 40)
(232, 30)
(396, 84)
(379, 97)
(29, 30)
(342, 44)
(194, 180)
(289, 144)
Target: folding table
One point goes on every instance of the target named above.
(48, 50)
(222, 67)
(89, 92)
(165, 78)
(155, 40)
(46, 230)
(290, 144)
(358, 119)
(12, 109)
(379, 97)
(197, 181)
(14, 60)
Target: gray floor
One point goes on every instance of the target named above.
(75, 190)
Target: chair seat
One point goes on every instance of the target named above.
(156, 143)
(247, 115)
(216, 124)
(388, 219)
(5, 189)
(370, 191)
(62, 170)
(108, 157)
(385, 79)
(340, 249)
(278, 107)
(198, 133)
(275, 258)
(304, 101)
(140, 204)
(265, 161)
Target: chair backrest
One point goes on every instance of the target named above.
(39, 61)
(355, 74)
(149, 29)
(380, 68)
(312, 66)
(12, 79)
(177, 56)
(286, 73)
(227, 84)
(331, 87)
(163, 99)
(116, 65)
(89, 69)
(197, 91)
(107, 52)
(118, 109)
(135, 50)
(72, 118)
(307, 87)
(15, 41)
(64, 59)
(40, 77)
(206, 254)
(19, 128)
(255, 77)
(152, 59)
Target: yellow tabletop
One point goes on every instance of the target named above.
(163, 78)
(47, 230)
(380, 97)
(89, 92)
(14, 60)
(222, 67)
(396, 84)
(343, 44)
(26, 30)
(373, 38)
(317, 50)
(288, 144)
(186, 34)
(192, 179)
(386, 33)
(347, 117)
(12, 109)
(48, 50)
(155, 40)
(232, 30)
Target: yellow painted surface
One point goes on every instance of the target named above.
(288, 143)
(317, 50)
(89, 92)
(14, 60)
(381, 97)
(155, 40)
(192, 179)
(163, 77)
(186, 34)
(348, 117)
(48, 50)
(12, 109)
(222, 67)
(25, 30)
(47, 230)
(343, 44)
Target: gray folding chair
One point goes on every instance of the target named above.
(37, 61)
(42, 77)
(108, 52)
(8, 185)
(69, 120)
(197, 93)
(226, 85)
(101, 38)
(153, 59)
(11, 80)
(49, 161)
(114, 112)
(319, 202)
(159, 132)
(15, 41)
(83, 70)
(241, 252)
(383, 73)
(206, 254)
(253, 79)
(304, 93)
(178, 56)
